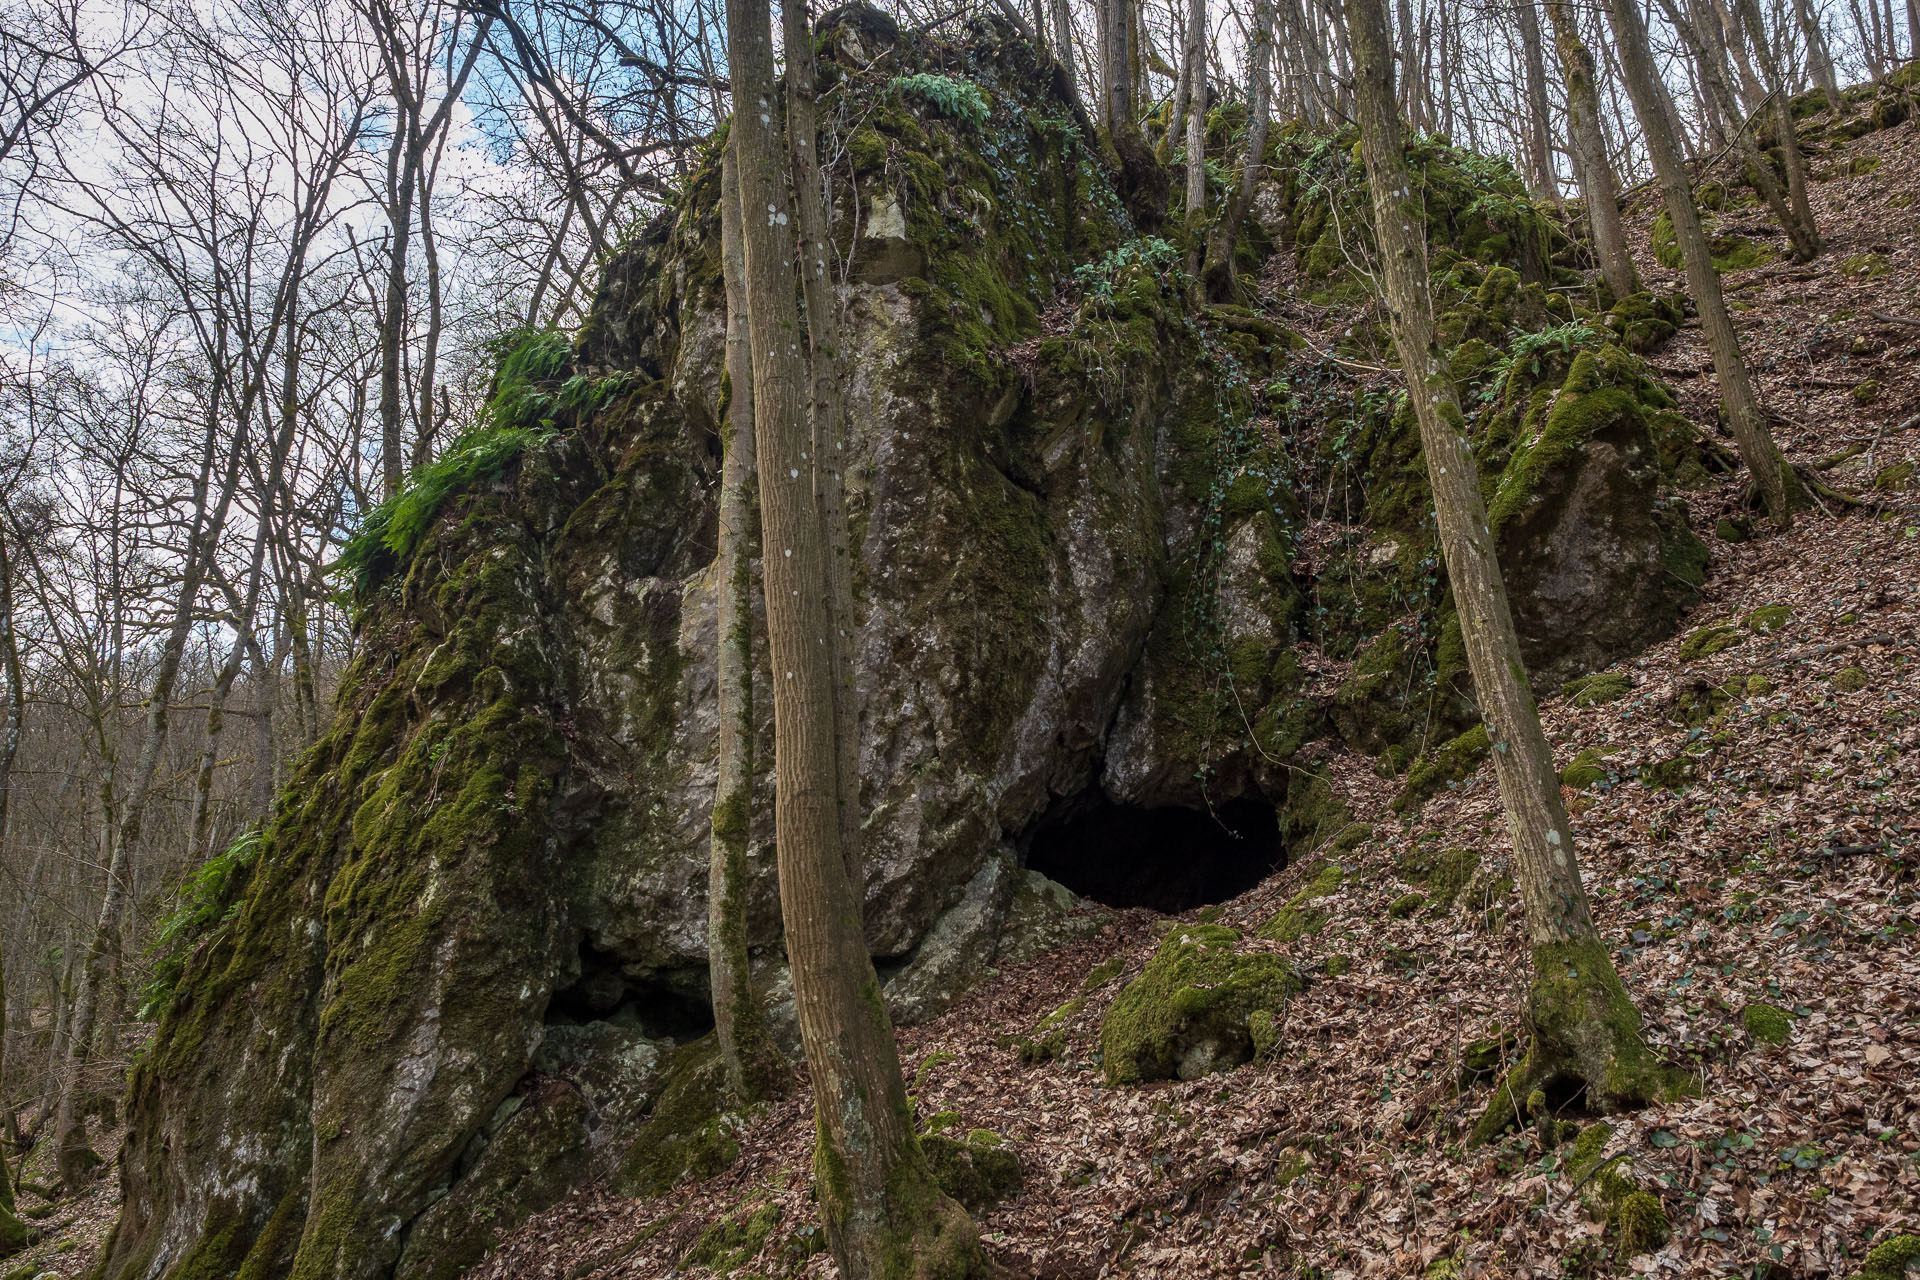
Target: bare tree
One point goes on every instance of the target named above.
(1583, 1026)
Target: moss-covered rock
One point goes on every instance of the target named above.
(1586, 769)
(1591, 691)
(1639, 1223)
(1704, 642)
(1187, 1014)
(1452, 763)
(1891, 1259)
(1643, 321)
(979, 1170)
(1731, 251)
(688, 1133)
(1850, 679)
(1298, 918)
(1767, 1024)
(1766, 618)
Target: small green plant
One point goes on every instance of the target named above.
(952, 98)
(1153, 255)
(203, 907)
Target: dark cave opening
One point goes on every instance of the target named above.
(661, 1006)
(1168, 858)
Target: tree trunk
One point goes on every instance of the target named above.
(1218, 275)
(1585, 1030)
(754, 1069)
(1594, 166)
(882, 1211)
(1800, 226)
(828, 418)
(1195, 74)
(1744, 416)
(1820, 57)
(1704, 34)
(14, 1234)
(1539, 138)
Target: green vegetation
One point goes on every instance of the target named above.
(1299, 918)
(207, 901)
(1591, 691)
(1767, 1024)
(735, 1240)
(1704, 642)
(953, 98)
(1891, 1259)
(1198, 990)
(979, 1170)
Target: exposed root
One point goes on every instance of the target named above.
(1584, 1042)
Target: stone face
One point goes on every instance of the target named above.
(457, 978)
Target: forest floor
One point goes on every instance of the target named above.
(1782, 870)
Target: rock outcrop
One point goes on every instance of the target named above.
(1092, 554)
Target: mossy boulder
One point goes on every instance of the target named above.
(1597, 560)
(1643, 321)
(736, 1239)
(979, 1170)
(1850, 679)
(1446, 767)
(1704, 642)
(1591, 691)
(1767, 1024)
(1299, 918)
(1187, 1015)
(1892, 1259)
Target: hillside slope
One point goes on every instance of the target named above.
(1748, 831)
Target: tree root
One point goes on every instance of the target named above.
(1583, 1036)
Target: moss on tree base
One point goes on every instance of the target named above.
(1585, 1039)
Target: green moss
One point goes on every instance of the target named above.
(1703, 642)
(1731, 252)
(1867, 392)
(1336, 966)
(1586, 769)
(1639, 1223)
(1406, 904)
(1584, 1157)
(1199, 987)
(1591, 691)
(1605, 389)
(686, 1135)
(1434, 773)
(1675, 773)
(1849, 679)
(1768, 617)
(979, 1172)
(1299, 918)
(735, 1240)
(1449, 876)
(1103, 973)
(1585, 1030)
(1350, 837)
(1891, 1259)
(1642, 321)
(1767, 1024)
(1894, 478)
(1048, 1040)
(1863, 266)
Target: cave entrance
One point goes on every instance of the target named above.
(662, 1006)
(1167, 858)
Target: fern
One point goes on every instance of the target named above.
(955, 99)
(204, 906)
